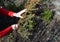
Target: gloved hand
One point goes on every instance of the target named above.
(20, 13)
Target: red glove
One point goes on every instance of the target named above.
(10, 13)
(6, 12)
(8, 30)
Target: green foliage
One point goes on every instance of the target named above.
(27, 25)
(11, 7)
(28, 22)
(30, 6)
(47, 15)
(14, 8)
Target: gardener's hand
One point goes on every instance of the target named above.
(14, 26)
(20, 13)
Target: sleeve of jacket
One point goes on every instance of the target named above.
(5, 31)
(6, 12)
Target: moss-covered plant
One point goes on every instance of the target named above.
(46, 15)
(28, 23)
